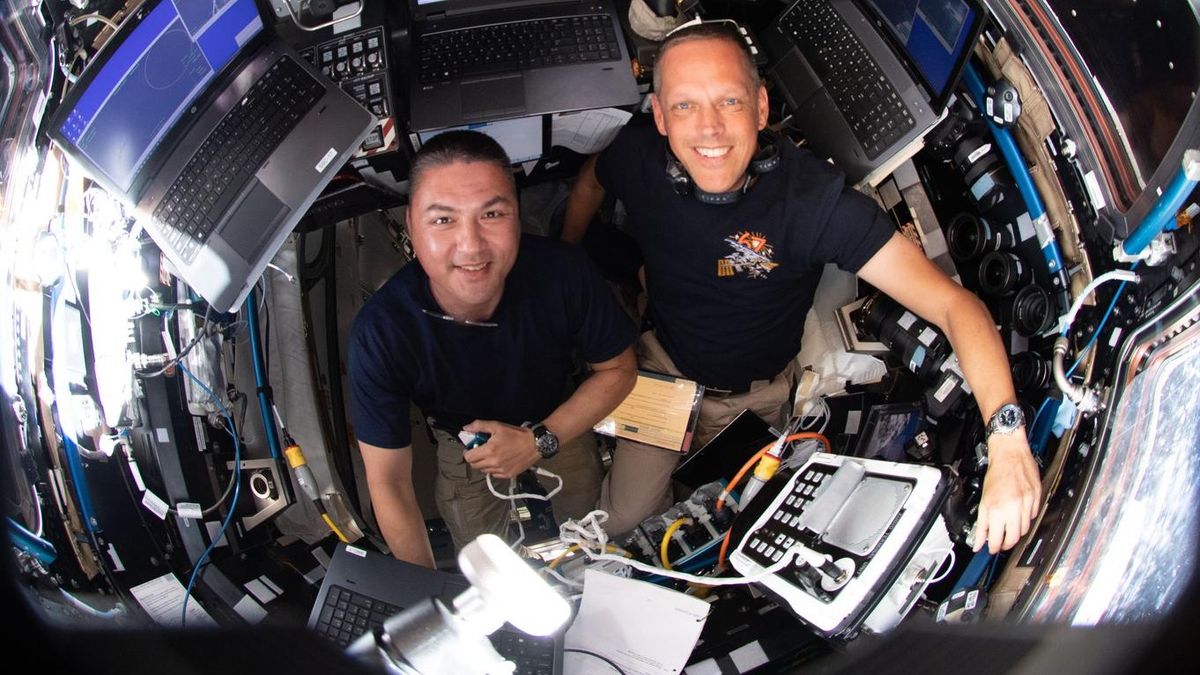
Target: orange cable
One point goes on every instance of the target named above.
(804, 435)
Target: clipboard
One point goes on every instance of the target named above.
(660, 411)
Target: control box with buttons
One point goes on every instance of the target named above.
(358, 62)
(850, 543)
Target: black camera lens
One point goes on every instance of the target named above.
(1001, 273)
(918, 345)
(1030, 372)
(970, 236)
(1032, 311)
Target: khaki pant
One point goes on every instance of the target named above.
(470, 509)
(638, 484)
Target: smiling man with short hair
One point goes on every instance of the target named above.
(735, 229)
(480, 333)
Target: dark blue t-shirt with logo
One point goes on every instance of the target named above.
(554, 304)
(729, 286)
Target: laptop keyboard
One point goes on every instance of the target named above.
(348, 615)
(245, 137)
(515, 46)
(862, 92)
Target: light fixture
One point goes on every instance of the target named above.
(431, 638)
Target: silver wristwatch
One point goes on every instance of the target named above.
(1006, 420)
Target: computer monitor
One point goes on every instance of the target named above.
(935, 36)
(524, 139)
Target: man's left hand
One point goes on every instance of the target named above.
(1012, 493)
(508, 452)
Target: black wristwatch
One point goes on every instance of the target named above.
(1006, 420)
(545, 440)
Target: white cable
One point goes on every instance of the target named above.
(82, 606)
(527, 495)
(1114, 275)
(949, 567)
(561, 579)
(692, 578)
(291, 279)
(327, 24)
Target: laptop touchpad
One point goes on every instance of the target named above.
(253, 223)
(499, 96)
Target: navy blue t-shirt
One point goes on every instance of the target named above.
(729, 286)
(554, 302)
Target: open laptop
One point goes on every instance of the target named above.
(217, 134)
(363, 588)
(479, 60)
(867, 79)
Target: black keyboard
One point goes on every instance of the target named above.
(348, 615)
(515, 46)
(244, 138)
(872, 106)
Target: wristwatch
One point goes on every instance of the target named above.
(545, 440)
(1006, 420)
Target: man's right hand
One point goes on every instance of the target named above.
(510, 450)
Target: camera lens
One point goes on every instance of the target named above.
(1032, 311)
(918, 345)
(970, 236)
(1030, 372)
(1001, 273)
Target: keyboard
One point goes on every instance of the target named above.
(516, 46)
(348, 614)
(244, 138)
(768, 544)
(868, 100)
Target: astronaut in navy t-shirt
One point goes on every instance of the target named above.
(734, 233)
(481, 334)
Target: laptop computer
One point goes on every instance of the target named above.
(480, 60)
(726, 452)
(363, 588)
(218, 135)
(866, 79)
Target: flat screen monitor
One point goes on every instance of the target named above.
(524, 139)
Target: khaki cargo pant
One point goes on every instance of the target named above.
(470, 509)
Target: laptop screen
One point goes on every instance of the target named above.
(936, 36)
(145, 84)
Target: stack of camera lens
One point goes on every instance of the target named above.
(1002, 272)
(920, 346)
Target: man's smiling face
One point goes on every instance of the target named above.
(462, 218)
(710, 110)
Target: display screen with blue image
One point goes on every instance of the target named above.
(934, 33)
(150, 79)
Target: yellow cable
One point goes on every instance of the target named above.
(329, 522)
(570, 549)
(666, 540)
(608, 548)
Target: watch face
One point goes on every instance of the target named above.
(547, 442)
(1008, 418)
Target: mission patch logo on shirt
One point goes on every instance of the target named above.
(752, 256)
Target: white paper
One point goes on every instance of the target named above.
(587, 132)
(162, 599)
(250, 610)
(645, 629)
(260, 591)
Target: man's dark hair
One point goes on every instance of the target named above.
(458, 146)
(709, 30)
